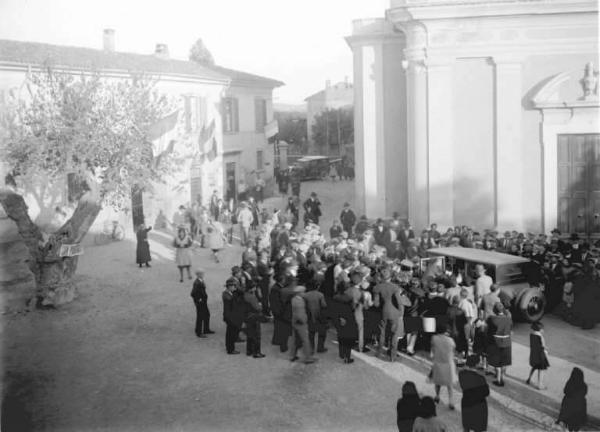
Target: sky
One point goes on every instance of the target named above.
(299, 42)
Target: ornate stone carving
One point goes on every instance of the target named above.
(589, 82)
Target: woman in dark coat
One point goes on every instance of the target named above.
(475, 391)
(407, 407)
(499, 349)
(538, 359)
(573, 409)
(456, 324)
(345, 324)
(281, 329)
(142, 252)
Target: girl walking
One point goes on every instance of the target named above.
(183, 255)
(538, 354)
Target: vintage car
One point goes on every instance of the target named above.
(511, 273)
(312, 167)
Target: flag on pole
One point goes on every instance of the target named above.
(206, 133)
(212, 154)
(164, 125)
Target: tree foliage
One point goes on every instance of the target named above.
(292, 130)
(86, 125)
(200, 54)
(333, 128)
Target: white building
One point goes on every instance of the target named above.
(333, 96)
(237, 104)
(477, 112)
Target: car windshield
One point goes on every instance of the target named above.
(504, 275)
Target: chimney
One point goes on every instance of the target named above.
(327, 84)
(162, 51)
(109, 40)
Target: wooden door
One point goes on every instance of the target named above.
(579, 184)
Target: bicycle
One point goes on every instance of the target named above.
(112, 231)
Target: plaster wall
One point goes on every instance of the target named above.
(473, 149)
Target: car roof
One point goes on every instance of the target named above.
(478, 255)
(310, 158)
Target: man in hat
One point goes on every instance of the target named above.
(348, 219)
(391, 326)
(312, 209)
(200, 298)
(253, 320)
(317, 322)
(233, 313)
(300, 326)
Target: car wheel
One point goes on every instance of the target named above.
(532, 304)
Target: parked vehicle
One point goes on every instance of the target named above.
(312, 167)
(510, 272)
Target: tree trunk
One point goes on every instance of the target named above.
(52, 273)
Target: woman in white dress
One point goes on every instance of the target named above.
(183, 255)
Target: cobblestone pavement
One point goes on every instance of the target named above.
(124, 357)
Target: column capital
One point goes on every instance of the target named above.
(438, 62)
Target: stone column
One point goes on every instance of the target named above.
(440, 101)
(379, 123)
(508, 178)
(418, 171)
(283, 154)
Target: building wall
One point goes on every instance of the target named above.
(335, 96)
(248, 141)
(473, 139)
(166, 197)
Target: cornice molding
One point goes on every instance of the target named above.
(445, 10)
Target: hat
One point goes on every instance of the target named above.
(574, 237)
(313, 194)
(407, 263)
(287, 225)
(232, 282)
(346, 204)
(299, 289)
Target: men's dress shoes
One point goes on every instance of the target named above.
(201, 336)
(209, 332)
(233, 352)
(293, 359)
(259, 355)
(322, 350)
(310, 360)
(348, 360)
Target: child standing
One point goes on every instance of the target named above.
(538, 354)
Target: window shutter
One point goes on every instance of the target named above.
(235, 115)
(188, 113)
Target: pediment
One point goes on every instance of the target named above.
(574, 88)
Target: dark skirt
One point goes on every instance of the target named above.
(499, 357)
(281, 332)
(413, 324)
(475, 417)
(142, 252)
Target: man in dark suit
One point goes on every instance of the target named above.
(312, 209)
(348, 219)
(405, 234)
(200, 298)
(233, 313)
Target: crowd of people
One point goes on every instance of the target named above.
(365, 282)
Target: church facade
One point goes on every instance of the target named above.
(479, 113)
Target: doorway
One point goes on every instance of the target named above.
(579, 184)
(230, 183)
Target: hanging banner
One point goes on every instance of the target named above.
(69, 250)
(271, 129)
